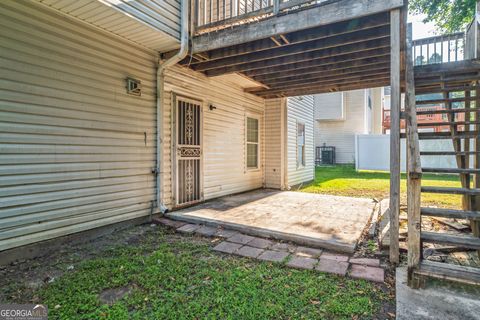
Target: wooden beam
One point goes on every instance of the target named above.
(395, 136)
(323, 69)
(336, 79)
(336, 52)
(285, 51)
(475, 204)
(322, 32)
(328, 74)
(315, 16)
(328, 89)
(276, 41)
(414, 182)
(335, 86)
(284, 38)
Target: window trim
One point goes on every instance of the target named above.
(247, 168)
(304, 153)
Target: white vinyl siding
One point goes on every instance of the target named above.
(274, 142)
(300, 110)
(329, 106)
(341, 134)
(224, 154)
(76, 151)
(153, 23)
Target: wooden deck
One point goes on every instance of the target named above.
(335, 45)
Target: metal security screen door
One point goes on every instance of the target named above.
(188, 151)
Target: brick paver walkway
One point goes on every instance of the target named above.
(278, 252)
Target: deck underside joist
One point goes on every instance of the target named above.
(345, 55)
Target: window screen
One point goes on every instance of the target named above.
(252, 143)
(300, 144)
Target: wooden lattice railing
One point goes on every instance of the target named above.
(217, 14)
(439, 49)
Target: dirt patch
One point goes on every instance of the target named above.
(110, 296)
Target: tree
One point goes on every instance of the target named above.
(420, 60)
(435, 58)
(448, 15)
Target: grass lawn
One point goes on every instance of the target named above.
(344, 180)
(168, 276)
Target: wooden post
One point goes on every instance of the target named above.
(394, 210)
(477, 31)
(475, 203)
(414, 170)
(276, 7)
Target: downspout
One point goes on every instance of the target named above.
(162, 65)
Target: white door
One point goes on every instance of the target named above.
(188, 151)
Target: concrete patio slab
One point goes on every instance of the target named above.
(314, 220)
(436, 302)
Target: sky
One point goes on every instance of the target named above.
(420, 29)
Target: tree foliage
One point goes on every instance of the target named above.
(448, 15)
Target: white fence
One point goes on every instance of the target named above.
(372, 152)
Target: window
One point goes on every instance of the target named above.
(300, 144)
(252, 143)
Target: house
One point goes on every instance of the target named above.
(426, 122)
(96, 130)
(340, 116)
(114, 110)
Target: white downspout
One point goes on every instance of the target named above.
(162, 65)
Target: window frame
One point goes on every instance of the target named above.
(304, 161)
(257, 118)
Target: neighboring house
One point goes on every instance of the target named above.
(340, 116)
(426, 122)
(289, 142)
(80, 143)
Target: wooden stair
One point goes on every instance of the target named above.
(448, 153)
(443, 271)
(451, 170)
(464, 125)
(450, 239)
(450, 213)
(448, 190)
(445, 135)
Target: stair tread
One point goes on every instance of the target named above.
(450, 170)
(447, 153)
(447, 123)
(444, 135)
(450, 272)
(450, 213)
(445, 238)
(451, 190)
(424, 112)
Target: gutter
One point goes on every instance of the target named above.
(162, 65)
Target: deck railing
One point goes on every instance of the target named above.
(439, 49)
(216, 14)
